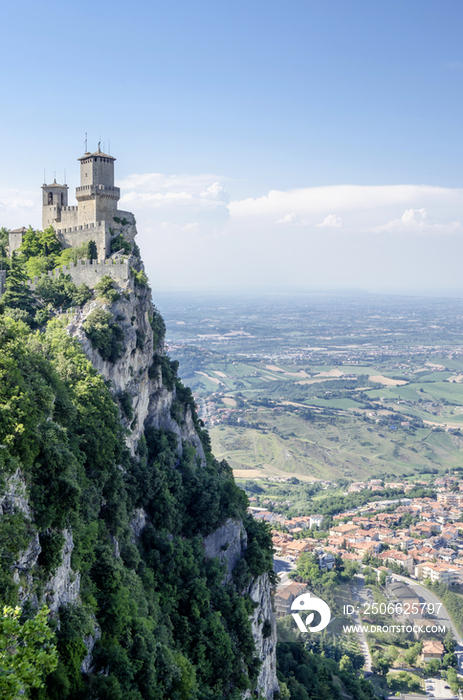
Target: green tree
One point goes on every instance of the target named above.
(453, 680)
(381, 664)
(17, 293)
(3, 245)
(346, 664)
(27, 653)
(449, 642)
(92, 251)
(432, 667)
(449, 660)
(411, 654)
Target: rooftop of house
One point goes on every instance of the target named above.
(432, 646)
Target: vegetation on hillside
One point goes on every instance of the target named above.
(169, 628)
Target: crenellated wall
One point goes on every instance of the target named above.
(90, 272)
(73, 236)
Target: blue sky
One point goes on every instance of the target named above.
(260, 144)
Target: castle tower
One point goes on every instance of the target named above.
(54, 198)
(97, 197)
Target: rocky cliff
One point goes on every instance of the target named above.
(138, 376)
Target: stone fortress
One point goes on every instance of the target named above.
(95, 218)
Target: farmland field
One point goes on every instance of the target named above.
(324, 386)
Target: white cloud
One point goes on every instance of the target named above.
(175, 205)
(373, 209)
(158, 191)
(293, 219)
(414, 216)
(18, 208)
(331, 220)
(216, 192)
(415, 221)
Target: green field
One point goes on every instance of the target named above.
(342, 446)
(268, 355)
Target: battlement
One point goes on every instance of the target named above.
(83, 227)
(90, 272)
(73, 208)
(101, 190)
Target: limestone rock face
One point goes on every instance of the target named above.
(64, 585)
(132, 313)
(23, 567)
(15, 495)
(134, 373)
(228, 543)
(260, 593)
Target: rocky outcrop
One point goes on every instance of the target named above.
(90, 641)
(265, 635)
(137, 523)
(134, 373)
(22, 569)
(228, 543)
(15, 495)
(64, 585)
(129, 374)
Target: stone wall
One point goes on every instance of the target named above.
(74, 236)
(69, 217)
(91, 272)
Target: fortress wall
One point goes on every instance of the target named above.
(74, 236)
(69, 217)
(90, 273)
(49, 215)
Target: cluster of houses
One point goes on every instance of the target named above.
(379, 485)
(430, 548)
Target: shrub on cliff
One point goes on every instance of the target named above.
(106, 289)
(61, 292)
(106, 337)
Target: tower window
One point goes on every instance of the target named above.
(62, 199)
(50, 198)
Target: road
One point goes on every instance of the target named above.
(361, 591)
(430, 597)
(283, 567)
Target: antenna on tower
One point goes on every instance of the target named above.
(86, 149)
(44, 177)
(64, 175)
(54, 175)
(109, 147)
